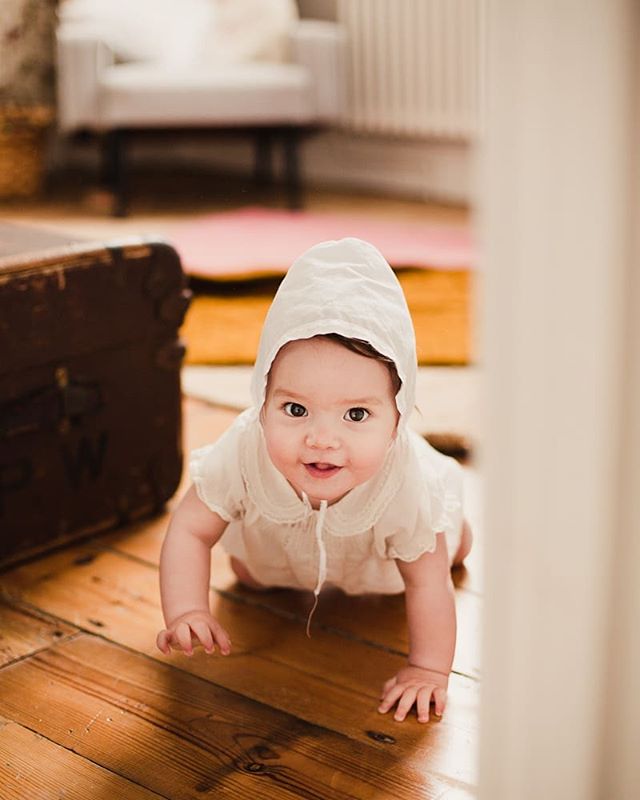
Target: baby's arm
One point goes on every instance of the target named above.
(431, 617)
(184, 578)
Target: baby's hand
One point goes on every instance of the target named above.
(415, 685)
(194, 626)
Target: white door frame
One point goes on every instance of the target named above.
(560, 310)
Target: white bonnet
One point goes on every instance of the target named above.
(343, 287)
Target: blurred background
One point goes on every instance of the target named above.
(409, 76)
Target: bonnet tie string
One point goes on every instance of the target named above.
(322, 559)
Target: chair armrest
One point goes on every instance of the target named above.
(320, 46)
(81, 58)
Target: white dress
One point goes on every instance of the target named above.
(396, 514)
(344, 287)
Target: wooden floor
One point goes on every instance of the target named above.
(90, 709)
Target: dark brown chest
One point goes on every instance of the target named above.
(90, 421)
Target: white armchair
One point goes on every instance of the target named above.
(270, 100)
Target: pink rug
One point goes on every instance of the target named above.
(254, 242)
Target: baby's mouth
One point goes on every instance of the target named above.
(319, 469)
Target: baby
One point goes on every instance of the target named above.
(321, 480)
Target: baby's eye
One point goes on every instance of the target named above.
(294, 410)
(356, 414)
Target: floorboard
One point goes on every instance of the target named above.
(23, 632)
(23, 754)
(327, 680)
(129, 714)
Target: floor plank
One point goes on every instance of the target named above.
(67, 775)
(130, 714)
(329, 680)
(379, 619)
(23, 632)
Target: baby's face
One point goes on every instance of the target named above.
(329, 417)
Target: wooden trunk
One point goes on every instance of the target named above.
(90, 415)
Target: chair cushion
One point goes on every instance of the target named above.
(149, 95)
(249, 30)
(153, 32)
(187, 32)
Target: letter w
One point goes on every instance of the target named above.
(86, 459)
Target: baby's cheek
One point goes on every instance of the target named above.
(280, 450)
(369, 458)
(274, 450)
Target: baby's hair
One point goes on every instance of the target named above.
(363, 348)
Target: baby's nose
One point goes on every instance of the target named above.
(322, 437)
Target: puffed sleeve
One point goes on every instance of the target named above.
(429, 502)
(216, 474)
